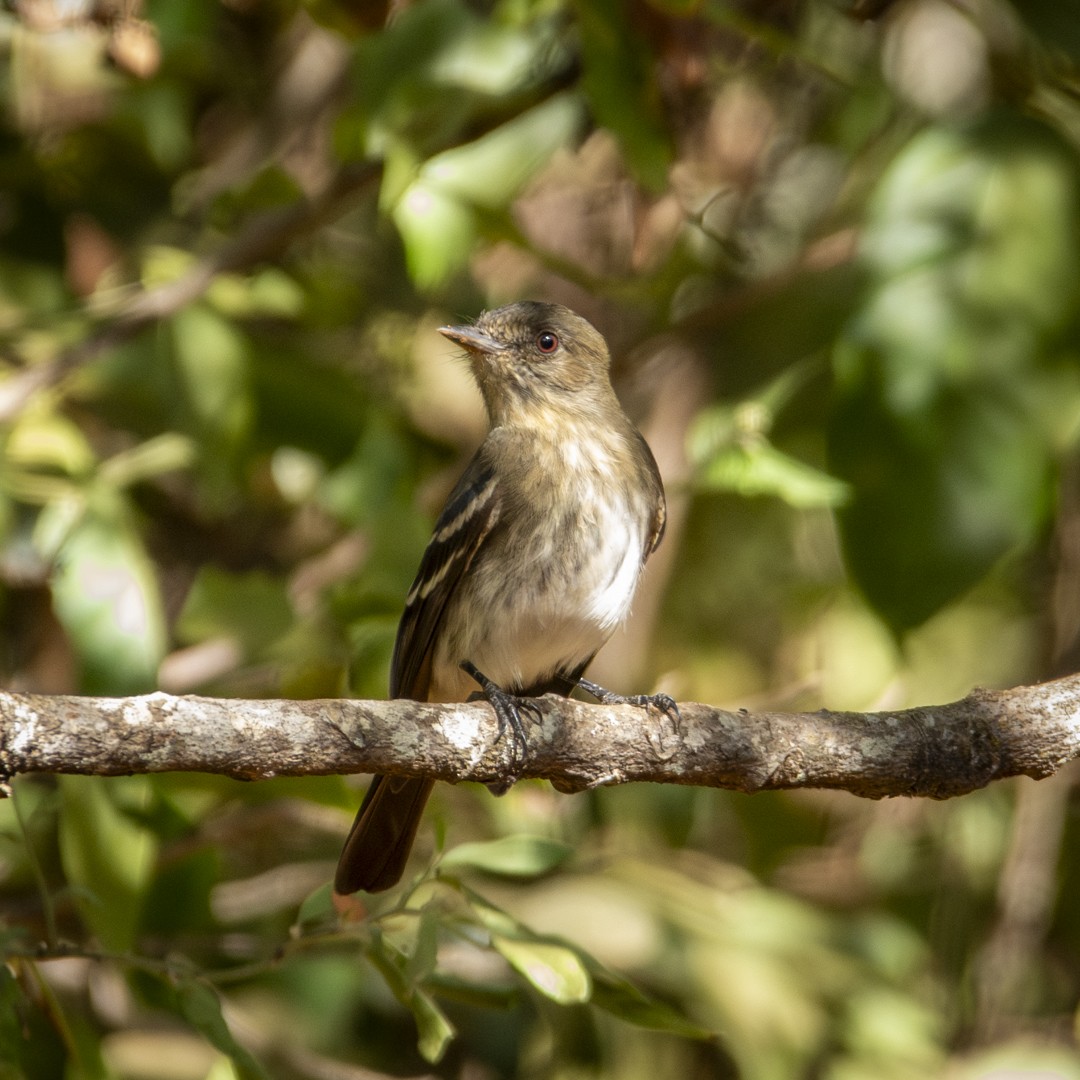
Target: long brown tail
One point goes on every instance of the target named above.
(382, 835)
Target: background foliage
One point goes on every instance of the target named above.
(834, 249)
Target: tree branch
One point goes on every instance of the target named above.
(933, 751)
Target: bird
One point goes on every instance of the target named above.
(533, 562)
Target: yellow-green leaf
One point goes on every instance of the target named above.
(512, 856)
(555, 970)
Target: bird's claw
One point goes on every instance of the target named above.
(664, 702)
(508, 710)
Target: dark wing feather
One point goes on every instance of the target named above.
(469, 515)
(378, 844)
(658, 522)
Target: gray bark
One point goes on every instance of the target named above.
(933, 751)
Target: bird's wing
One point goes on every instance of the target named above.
(658, 521)
(468, 517)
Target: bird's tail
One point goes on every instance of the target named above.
(382, 835)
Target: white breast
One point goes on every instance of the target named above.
(539, 624)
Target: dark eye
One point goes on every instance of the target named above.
(547, 342)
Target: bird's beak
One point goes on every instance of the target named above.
(471, 339)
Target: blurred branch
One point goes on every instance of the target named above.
(933, 751)
(265, 237)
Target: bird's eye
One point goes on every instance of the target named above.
(547, 342)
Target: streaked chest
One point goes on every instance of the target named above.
(555, 581)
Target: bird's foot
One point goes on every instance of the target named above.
(667, 738)
(508, 710)
(664, 702)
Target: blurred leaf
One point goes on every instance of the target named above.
(304, 404)
(938, 500)
(163, 264)
(887, 1025)
(729, 448)
(160, 454)
(937, 425)
(108, 857)
(984, 222)
(269, 292)
(520, 856)
(489, 171)
(212, 359)
(437, 230)
(434, 212)
(86, 1049)
(555, 970)
(421, 961)
(32, 1042)
(44, 440)
(498, 57)
(161, 112)
(11, 1036)
(105, 593)
(392, 65)
(756, 467)
(619, 84)
(271, 188)
(317, 907)
(623, 999)
(178, 898)
(1053, 23)
(366, 489)
(201, 1007)
(252, 609)
(436, 1031)
(441, 51)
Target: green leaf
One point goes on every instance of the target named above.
(619, 84)
(105, 593)
(390, 963)
(436, 1031)
(489, 171)
(11, 1038)
(730, 450)
(521, 856)
(270, 292)
(201, 1007)
(212, 357)
(317, 908)
(555, 970)
(35, 1035)
(939, 497)
(493, 58)
(421, 961)
(213, 363)
(941, 425)
(437, 229)
(106, 854)
(434, 1028)
(250, 608)
(623, 999)
(46, 442)
(756, 467)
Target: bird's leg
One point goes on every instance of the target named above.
(508, 709)
(664, 702)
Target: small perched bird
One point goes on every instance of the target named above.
(534, 560)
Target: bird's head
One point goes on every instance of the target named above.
(529, 358)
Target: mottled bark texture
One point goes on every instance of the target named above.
(934, 751)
